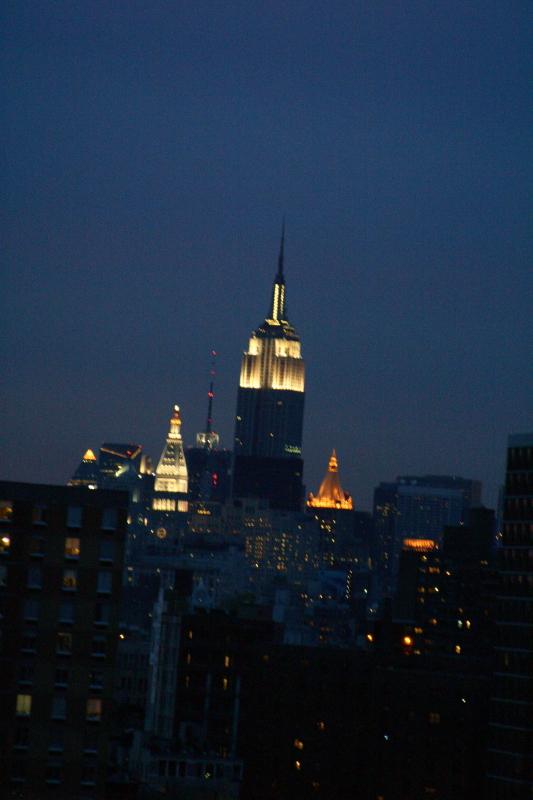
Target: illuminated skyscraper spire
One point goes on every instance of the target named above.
(277, 308)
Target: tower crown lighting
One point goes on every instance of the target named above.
(331, 494)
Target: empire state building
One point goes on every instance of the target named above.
(270, 407)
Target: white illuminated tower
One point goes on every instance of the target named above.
(171, 478)
(270, 407)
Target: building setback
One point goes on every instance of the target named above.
(61, 560)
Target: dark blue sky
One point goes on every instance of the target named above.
(149, 153)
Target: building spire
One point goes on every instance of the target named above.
(208, 438)
(277, 309)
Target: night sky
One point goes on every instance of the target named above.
(150, 150)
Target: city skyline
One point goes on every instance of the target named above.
(142, 228)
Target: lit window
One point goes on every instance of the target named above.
(299, 745)
(70, 580)
(109, 519)
(225, 683)
(94, 709)
(72, 547)
(468, 624)
(298, 765)
(59, 707)
(105, 582)
(5, 543)
(434, 718)
(458, 649)
(189, 634)
(64, 643)
(6, 511)
(23, 705)
(321, 725)
(227, 661)
(74, 517)
(35, 578)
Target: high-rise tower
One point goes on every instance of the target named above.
(171, 483)
(270, 406)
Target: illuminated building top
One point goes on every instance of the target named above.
(89, 455)
(420, 545)
(273, 359)
(331, 494)
(171, 473)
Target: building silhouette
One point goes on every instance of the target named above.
(61, 561)
(510, 773)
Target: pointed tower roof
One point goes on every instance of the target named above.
(87, 472)
(171, 473)
(331, 494)
(278, 312)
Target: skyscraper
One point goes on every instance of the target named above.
(511, 728)
(171, 484)
(270, 406)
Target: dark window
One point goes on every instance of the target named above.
(31, 609)
(40, 515)
(109, 519)
(64, 643)
(102, 613)
(107, 550)
(35, 578)
(66, 612)
(74, 514)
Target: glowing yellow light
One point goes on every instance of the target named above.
(6, 540)
(298, 765)
(299, 745)
(89, 455)
(331, 493)
(121, 636)
(407, 641)
(419, 545)
(369, 637)
(458, 649)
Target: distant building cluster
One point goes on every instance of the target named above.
(205, 629)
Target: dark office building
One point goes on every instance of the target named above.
(61, 559)
(270, 406)
(209, 473)
(417, 507)
(510, 773)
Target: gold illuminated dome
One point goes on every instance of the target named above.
(331, 494)
(89, 455)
